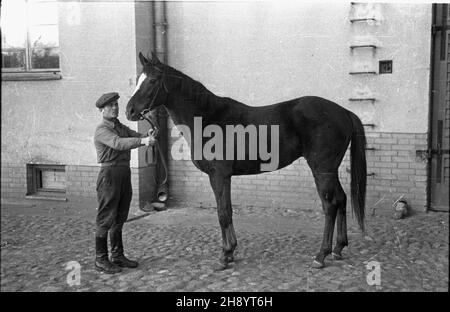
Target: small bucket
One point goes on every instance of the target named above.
(400, 209)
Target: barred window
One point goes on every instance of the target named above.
(30, 39)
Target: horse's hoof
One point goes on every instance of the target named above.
(221, 266)
(227, 259)
(336, 256)
(317, 265)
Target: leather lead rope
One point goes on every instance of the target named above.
(160, 153)
(156, 129)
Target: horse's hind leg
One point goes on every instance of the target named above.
(326, 186)
(341, 223)
(222, 190)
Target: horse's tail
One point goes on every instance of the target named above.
(358, 169)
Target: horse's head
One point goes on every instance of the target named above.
(150, 90)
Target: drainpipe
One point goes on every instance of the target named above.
(160, 48)
(430, 105)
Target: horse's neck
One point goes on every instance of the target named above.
(185, 105)
(180, 118)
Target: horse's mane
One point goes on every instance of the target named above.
(195, 91)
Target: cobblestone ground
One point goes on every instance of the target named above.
(178, 249)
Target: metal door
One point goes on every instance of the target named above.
(440, 110)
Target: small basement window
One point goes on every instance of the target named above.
(46, 181)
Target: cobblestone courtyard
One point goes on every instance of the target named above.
(178, 249)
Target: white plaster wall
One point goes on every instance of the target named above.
(256, 52)
(54, 121)
(266, 52)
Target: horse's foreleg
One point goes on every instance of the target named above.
(326, 186)
(341, 223)
(222, 190)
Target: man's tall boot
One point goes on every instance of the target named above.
(117, 256)
(102, 262)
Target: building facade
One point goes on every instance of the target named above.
(49, 118)
(373, 59)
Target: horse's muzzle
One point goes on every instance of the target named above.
(131, 114)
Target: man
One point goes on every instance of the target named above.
(113, 142)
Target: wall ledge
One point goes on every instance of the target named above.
(31, 76)
(42, 197)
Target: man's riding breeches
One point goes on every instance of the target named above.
(114, 197)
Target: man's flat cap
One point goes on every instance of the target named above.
(107, 98)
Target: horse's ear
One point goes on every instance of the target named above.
(143, 60)
(155, 60)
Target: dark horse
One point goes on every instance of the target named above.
(312, 127)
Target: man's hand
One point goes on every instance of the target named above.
(147, 141)
(153, 132)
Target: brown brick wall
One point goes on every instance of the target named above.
(394, 163)
(13, 180)
(397, 171)
(80, 183)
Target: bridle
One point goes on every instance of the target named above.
(160, 85)
(154, 125)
